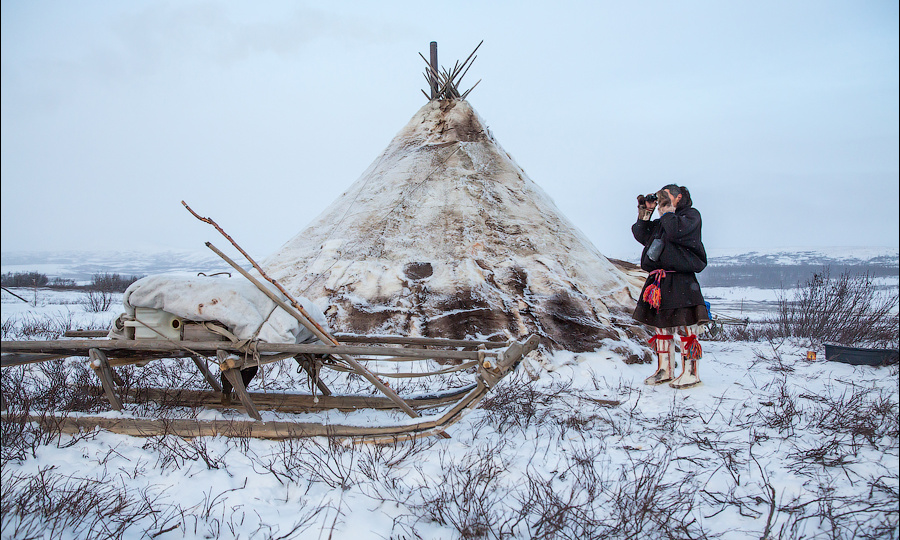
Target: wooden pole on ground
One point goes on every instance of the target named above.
(26, 301)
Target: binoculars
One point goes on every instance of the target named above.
(651, 198)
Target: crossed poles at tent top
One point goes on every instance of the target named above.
(444, 84)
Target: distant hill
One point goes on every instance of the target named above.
(727, 268)
(788, 267)
(81, 265)
(885, 257)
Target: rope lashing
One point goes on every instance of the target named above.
(653, 294)
(249, 347)
(313, 366)
(691, 348)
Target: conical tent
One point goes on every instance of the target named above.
(444, 235)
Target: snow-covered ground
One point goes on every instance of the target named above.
(771, 445)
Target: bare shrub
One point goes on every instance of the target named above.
(62, 283)
(827, 452)
(377, 461)
(20, 437)
(844, 516)
(41, 328)
(8, 328)
(97, 301)
(86, 394)
(175, 452)
(45, 327)
(51, 505)
(63, 385)
(518, 402)
(590, 500)
(865, 414)
(110, 283)
(473, 499)
(49, 393)
(311, 460)
(646, 506)
(847, 310)
(752, 331)
(568, 504)
(782, 413)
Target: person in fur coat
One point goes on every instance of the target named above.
(671, 300)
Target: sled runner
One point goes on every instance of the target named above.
(490, 362)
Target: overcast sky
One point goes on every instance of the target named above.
(781, 117)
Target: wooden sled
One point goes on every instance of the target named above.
(490, 361)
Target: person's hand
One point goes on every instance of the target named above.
(645, 208)
(667, 202)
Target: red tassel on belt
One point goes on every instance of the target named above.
(653, 294)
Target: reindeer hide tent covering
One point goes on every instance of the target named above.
(444, 235)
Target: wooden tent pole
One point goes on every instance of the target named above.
(434, 69)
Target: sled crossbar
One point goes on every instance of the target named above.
(355, 338)
(177, 349)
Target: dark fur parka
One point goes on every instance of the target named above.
(683, 253)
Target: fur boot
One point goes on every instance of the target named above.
(665, 348)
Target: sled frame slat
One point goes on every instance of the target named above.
(100, 365)
(204, 369)
(234, 377)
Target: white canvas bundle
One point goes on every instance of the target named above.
(234, 302)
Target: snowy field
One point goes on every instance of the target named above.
(570, 446)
